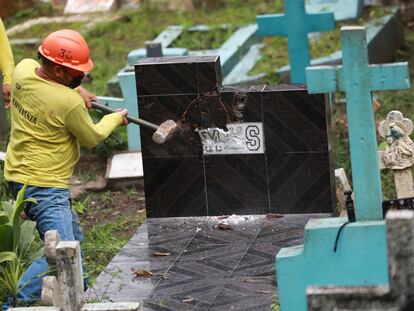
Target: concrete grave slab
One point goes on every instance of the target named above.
(125, 165)
(203, 267)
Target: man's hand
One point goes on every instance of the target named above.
(6, 95)
(87, 96)
(123, 113)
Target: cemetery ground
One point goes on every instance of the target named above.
(110, 217)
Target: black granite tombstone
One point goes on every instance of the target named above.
(291, 173)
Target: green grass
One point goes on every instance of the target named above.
(111, 42)
(38, 9)
(204, 40)
(109, 224)
(42, 30)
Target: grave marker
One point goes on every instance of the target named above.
(388, 29)
(64, 292)
(153, 48)
(89, 6)
(359, 256)
(165, 38)
(392, 296)
(275, 167)
(343, 9)
(399, 154)
(358, 79)
(296, 24)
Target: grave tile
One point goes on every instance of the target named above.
(163, 79)
(241, 232)
(202, 290)
(205, 268)
(118, 283)
(200, 298)
(141, 236)
(248, 196)
(208, 76)
(149, 252)
(162, 235)
(288, 236)
(177, 75)
(238, 222)
(217, 253)
(185, 141)
(255, 264)
(252, 100)
(175, 187)
(249, 293)
(300, 183)
(294, 122)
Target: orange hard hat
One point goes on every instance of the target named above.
(67, 48)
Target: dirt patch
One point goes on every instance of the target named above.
(127, 208)
(97, 205)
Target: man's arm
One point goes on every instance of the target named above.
(6, 64)
(80, 124)
(87, 96)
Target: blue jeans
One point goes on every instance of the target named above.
(52, 212)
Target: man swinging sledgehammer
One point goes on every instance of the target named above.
(49, 121)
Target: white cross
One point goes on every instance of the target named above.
(64, 292)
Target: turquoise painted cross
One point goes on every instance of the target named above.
(358, 79)
(296, 24)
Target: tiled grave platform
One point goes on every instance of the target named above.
(207, 269)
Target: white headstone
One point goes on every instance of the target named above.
(88, 6)
(126, 165)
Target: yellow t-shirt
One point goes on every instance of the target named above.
(6, 56)
(48, 121)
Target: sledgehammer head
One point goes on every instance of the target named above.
(164, 132)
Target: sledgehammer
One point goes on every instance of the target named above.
(162, 132)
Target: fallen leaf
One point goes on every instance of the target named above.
(223, 217)
(188, 300)
(160, 254)
(224, 227)
(138, 273)
(264, 292)
(273, 216)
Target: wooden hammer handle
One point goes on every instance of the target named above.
(135, 120)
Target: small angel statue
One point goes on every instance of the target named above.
(399, 154)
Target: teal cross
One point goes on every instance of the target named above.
(358, 79)
(296, 24)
